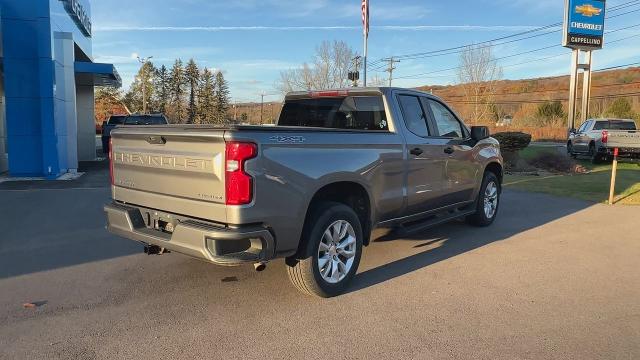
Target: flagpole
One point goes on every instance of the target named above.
(365, 61)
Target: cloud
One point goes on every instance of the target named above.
(108, 28)
(115, 59)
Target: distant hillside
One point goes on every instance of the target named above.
(521, 99)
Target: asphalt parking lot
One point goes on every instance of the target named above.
(553, 278)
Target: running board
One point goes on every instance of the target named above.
(430, 221)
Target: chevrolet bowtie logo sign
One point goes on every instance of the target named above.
(588, 10)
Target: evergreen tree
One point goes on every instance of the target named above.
(192, 75)
(221, 97)
(206, 98)
(145, 77)
(162, 89)
(177, 85)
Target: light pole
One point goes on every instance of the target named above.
(143, 61)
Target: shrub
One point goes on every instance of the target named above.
(621, 108)
(512, 141)
(554, 161)
(510, 144)
(550, 112)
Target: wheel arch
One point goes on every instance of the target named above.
(349, 193)
(495, 168)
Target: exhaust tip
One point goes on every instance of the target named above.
(260, 266)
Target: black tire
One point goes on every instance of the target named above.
(305, 273)
(480, 217)
(593, 154)
(570, 150)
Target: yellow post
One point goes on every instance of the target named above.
(614, 168)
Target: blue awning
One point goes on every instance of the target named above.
(103, 74)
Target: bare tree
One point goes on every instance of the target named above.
(329, 69)
(478, 74)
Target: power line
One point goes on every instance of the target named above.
(488, 42)
(508, 56)
(617, 67)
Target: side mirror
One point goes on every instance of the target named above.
(479, 133)
(573, 131)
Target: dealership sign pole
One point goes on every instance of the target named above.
(583, 32)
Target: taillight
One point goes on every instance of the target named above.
(605, 136)
(111, 161)
(238, 184)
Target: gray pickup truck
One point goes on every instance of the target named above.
(311, 190)
(597, 138)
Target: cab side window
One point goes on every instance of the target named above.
(446, 122)
(584, 126)
(414, 116)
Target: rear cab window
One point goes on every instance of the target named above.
(614, 125)
(351, 112)
(145, 120)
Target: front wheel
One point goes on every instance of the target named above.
(570, 150)
(487, 202)
(333, 247)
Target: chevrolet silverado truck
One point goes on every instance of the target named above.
(597, 138)
(339, 164)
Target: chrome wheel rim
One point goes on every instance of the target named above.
(336, 251)
(490, 200)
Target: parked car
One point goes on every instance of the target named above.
(133, 119)
(592, 137)
(339, 164)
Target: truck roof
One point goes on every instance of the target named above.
(349, 91)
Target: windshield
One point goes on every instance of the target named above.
(614, 125)
(145, 120)
(352, 112)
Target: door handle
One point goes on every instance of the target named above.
(416, 151)
(448, 150)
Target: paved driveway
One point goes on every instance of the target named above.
(552, 278)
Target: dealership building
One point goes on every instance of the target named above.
(47, 80)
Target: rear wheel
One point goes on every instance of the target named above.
(488, 201)
(333, 247)
(593, 154)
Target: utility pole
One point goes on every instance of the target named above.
(390, 68)
(143, 61)
(354, 76)
(235, 111)
(261, 106)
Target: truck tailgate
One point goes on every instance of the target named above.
(170, 168)
(623, 139)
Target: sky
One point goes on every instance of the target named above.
(252, 41)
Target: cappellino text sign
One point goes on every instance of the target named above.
(584, 24)
(80, 15)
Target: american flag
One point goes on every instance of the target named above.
(365, 17)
